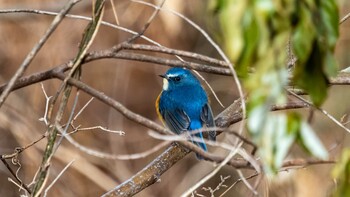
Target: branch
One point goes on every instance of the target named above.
(36, 49)
(36, 77)
(151, 173)
(203, 58)
(87, 39)
(346, 17)
(341, 79)
(114, 104)
(15, 175)
(157, 60)
(174, 153)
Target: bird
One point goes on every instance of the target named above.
(183, 106)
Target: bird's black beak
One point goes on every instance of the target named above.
(163, 76)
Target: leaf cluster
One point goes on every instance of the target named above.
(261, 37)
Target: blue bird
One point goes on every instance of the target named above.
(183, 105)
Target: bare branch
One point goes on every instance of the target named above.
(36, 77)
(114, 12)
(346, 17)
(86, 41)
(321, 110)
(161, 49)
(72, 16)
(114, 104)
(239, 180)
(15, 175)
(244, 180)
(218, 187)
(82, 109)
(36, 49)
(212, 173)
(47, 98)
(103, 155)
(77, 129)
(157, 60)
(150, 173)
(57, 177)
(147, 24)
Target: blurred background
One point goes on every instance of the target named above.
(137, 86)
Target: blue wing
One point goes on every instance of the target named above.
(208, 119)
(177, 120)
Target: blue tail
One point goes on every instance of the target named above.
(200, 144)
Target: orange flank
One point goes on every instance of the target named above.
(157, 108)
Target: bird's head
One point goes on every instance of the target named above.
(178, 77)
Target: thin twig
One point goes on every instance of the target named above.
(114, 104)
(218, 187)
(76, 129)
(47, 98)
(157, 9)
(346, 17)
(206, 155)
(250, 187)
(14, 175)
(103, 155)
(36, 49)
(58, 176)
(157, 60)
(211, 174)
(72, 16)
(114, 12)
(70, 119)
(21, 149)
(321, 110)
(147, 24)
(82, 109)
(162, 49)
(238, 180)
(87, 39)
(18, 185)
(210, 88)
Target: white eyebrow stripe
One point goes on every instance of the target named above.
(172, 75)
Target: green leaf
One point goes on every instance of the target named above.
(255, 35)
(314, 39)
(330, 19)
(217, 5)
(330, 65)
(303, 36)
(257, 118)
(251, 38)
(230, 14)
(341, 171)
(311, 141)
(284, 138)
(277, 135)
(311, 77)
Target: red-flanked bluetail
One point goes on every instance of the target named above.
(183, 105)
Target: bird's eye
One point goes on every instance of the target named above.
(177, 78)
